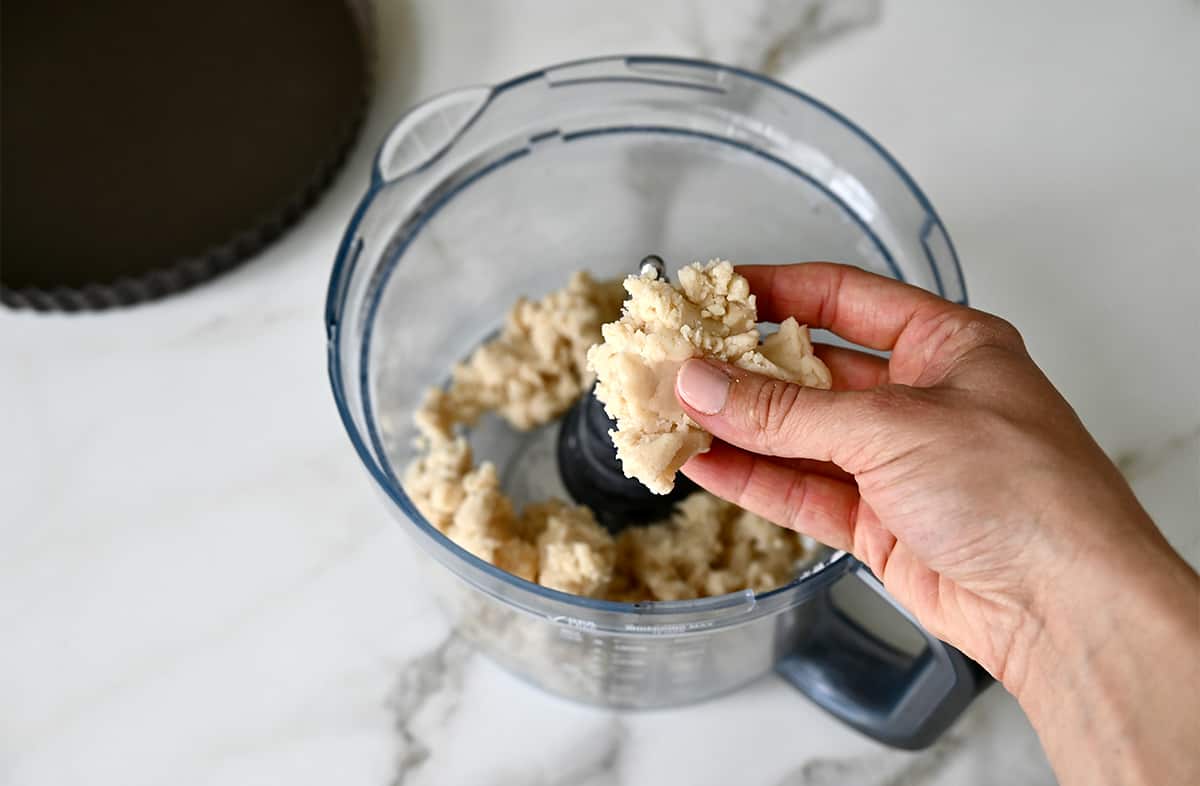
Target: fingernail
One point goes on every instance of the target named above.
(703, 386)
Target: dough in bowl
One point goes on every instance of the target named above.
(709, 313)
(528, 375)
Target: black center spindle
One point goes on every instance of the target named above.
(588, 465)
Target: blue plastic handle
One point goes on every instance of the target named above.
(901, 700)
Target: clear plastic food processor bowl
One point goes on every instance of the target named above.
(486, 194)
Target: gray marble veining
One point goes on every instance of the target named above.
(429, 683)
(769, 35)
(886, 769)
(1147, 459)
(603, 766)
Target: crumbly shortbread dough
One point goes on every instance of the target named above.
(707, 547)
(530, 374)
(710, 313)
(537, 366)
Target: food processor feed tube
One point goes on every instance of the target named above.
(514, 187)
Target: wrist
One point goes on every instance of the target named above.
(1104, 610)
(1110, 678)
(1101, 576)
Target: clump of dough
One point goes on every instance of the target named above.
(575, 554)
(555, 544)
(536, 368)
(707, 547)
(530, 374)
(434, 479)
(710, 313)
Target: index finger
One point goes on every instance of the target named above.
(868, 309)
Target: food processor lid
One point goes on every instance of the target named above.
(425, 153)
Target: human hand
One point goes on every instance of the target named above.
(954, 470)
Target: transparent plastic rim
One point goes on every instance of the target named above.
(829, 568)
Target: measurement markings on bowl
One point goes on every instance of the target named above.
(667, 629)
(629, 662)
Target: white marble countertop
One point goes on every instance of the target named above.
(198, 585)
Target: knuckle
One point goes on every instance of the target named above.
(982, 329)
(956, 334)
(1007, 334)
(771, 408)
(795, 500)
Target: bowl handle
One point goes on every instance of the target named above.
(427, 131)
(902, 700)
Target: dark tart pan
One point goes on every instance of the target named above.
(150, 145)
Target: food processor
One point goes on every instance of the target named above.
(487, 194)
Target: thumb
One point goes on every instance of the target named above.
(776, 418)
